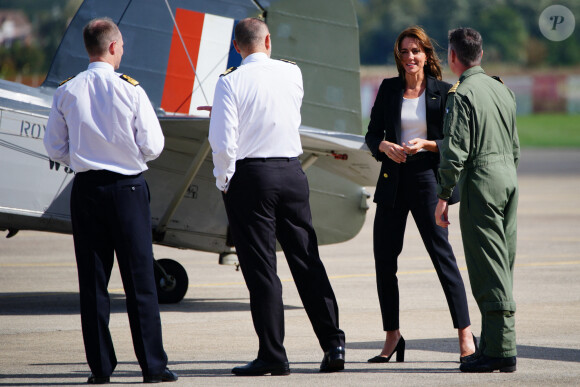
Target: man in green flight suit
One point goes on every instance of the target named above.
(480, 154)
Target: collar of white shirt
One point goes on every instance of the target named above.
(255, 57)
(101, 65)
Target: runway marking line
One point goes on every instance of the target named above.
(38, 265)
(398, 273)
(217, 284)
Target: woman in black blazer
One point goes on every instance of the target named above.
(405, 129)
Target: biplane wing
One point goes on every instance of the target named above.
(176, 49)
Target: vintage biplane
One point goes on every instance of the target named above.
(177, 49)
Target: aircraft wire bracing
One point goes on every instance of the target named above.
(186, 51)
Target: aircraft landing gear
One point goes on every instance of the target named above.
(171, 280)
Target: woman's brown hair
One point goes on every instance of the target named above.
(432, 65)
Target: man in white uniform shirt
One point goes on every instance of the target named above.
(255, 142)
(102, 125)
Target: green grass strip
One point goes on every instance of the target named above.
(549, 130)
(554, 130)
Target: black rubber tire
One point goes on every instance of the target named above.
(174, 292)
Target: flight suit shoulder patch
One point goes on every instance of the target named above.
(287, 61)
(497, 78)
(127, 78)
(231, 69)
(454, 88)
(66, 80)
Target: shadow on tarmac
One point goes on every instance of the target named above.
(451, 346)
(222, 368)
(197, 370)
(65, 303)
(219, 368)
(38, 304)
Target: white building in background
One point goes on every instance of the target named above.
(14, 25)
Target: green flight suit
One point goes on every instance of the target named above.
(480, 154)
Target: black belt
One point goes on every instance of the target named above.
(103, 173)
(418, 156)
(265, 159)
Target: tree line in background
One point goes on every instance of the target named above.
(509, 28)
(49, 19)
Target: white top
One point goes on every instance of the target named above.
(256, 113)
(413, 119)
(100, 121)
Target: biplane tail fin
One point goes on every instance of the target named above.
(176, 49)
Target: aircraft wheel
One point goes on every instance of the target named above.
(171, 280)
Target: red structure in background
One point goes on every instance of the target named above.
(549, 93)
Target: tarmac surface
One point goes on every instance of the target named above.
(211, 330)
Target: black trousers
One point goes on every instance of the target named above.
(268, 200)
(416, 193)
(110, 214)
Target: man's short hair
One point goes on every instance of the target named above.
(249, 32)
(467, 44)
(98, 34)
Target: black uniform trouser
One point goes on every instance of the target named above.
(110, 214)
(416, 192)
(268, 199)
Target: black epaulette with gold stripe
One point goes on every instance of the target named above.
(454, 88)
(66, 80)
(497, 78)
(127, 78)
(228, 71)
(287, 61)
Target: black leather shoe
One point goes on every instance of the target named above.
(98, 379)
(333, 360)
(490, 364)
(469, 358)
(260, 367)
(165, 376)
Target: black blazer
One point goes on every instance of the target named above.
(385, 124)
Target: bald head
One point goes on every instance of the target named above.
(98, 35)
(251, 35)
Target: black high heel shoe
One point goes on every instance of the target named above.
(473, 356)
(400, 349)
